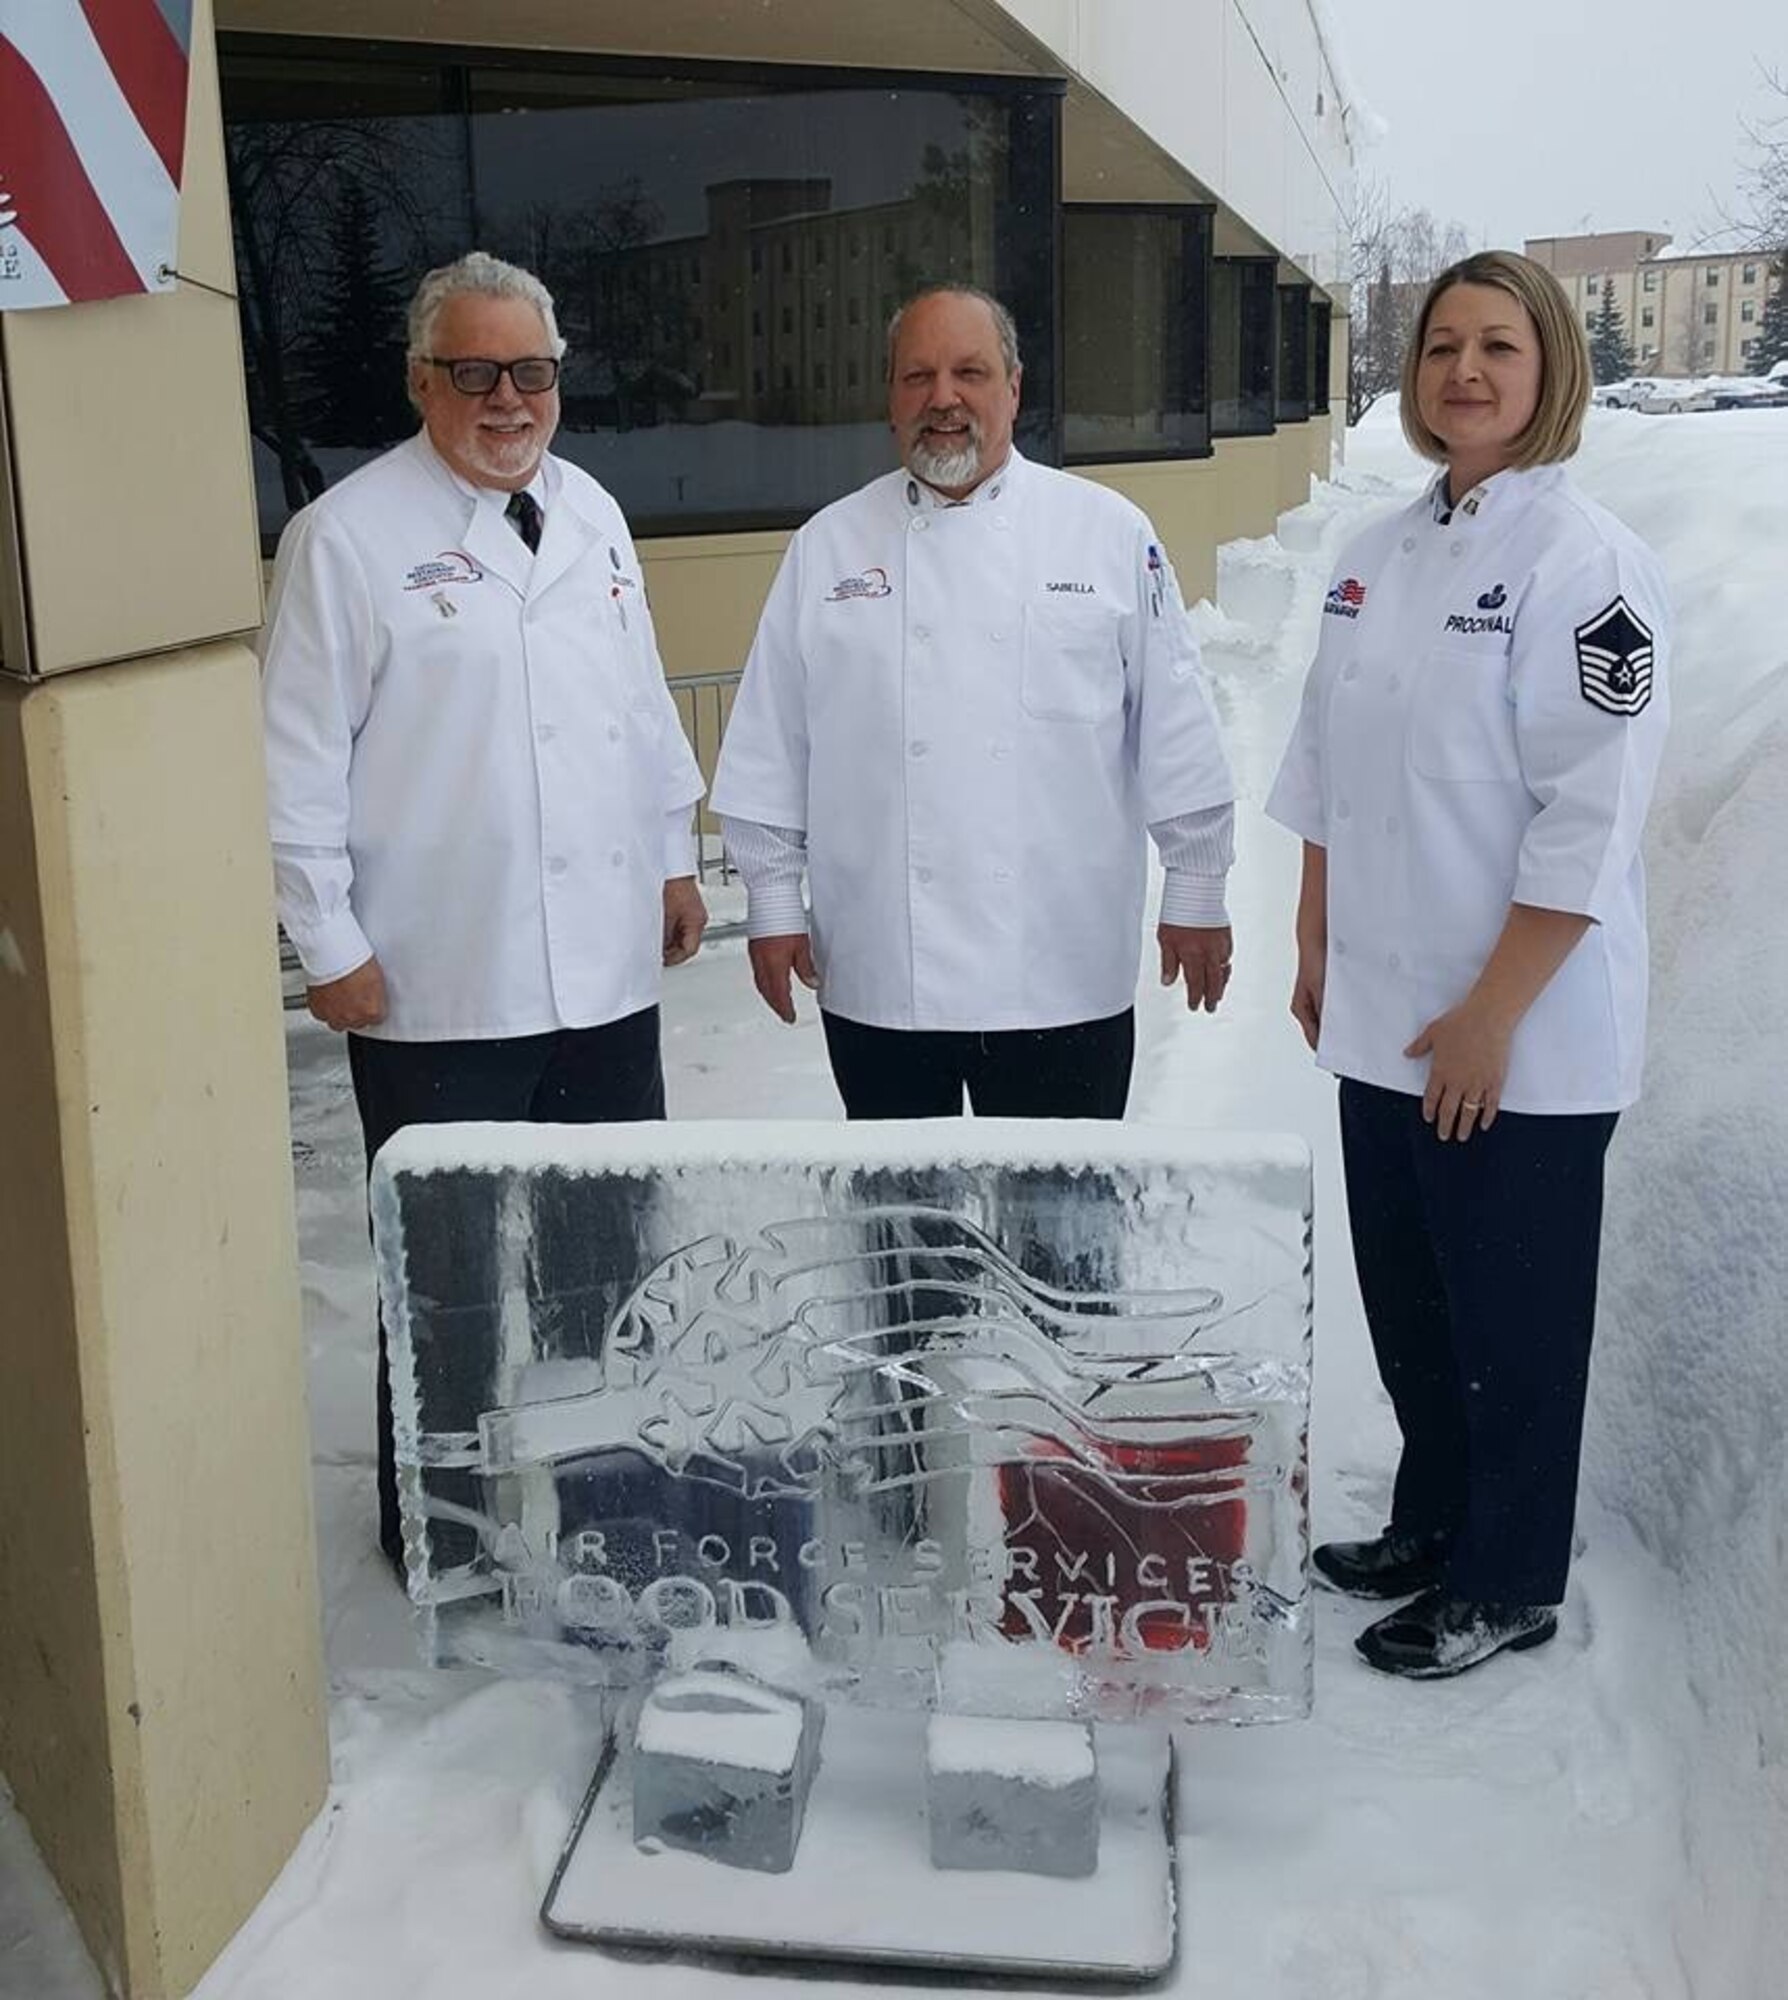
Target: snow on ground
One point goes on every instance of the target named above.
(1605, 1819)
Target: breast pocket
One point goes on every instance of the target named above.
(1462, 721)
(1073, 663)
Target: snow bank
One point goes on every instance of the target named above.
(1689, 1409)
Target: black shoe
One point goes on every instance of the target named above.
(1439, 1635)
(1393, 1565)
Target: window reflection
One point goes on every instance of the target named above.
(1134, 305)
(1291, 403)
(1242, 356)
(724, 247)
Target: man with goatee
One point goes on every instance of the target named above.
(973, 687)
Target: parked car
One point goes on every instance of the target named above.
(1626, 395)
(1671, 398)
(1749, 392)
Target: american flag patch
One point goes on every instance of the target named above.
(1347, 599)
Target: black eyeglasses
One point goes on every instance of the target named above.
(532, 376)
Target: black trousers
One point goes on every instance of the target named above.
(1477, 1265)
(1080, 1071)
(613, 1074)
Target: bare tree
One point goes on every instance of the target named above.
(1397, 254)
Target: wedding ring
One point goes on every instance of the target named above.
(1471, 1104)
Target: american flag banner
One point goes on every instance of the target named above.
(92, 126)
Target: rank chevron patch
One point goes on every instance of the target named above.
(1614, 660)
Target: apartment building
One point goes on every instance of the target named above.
(1685, 312)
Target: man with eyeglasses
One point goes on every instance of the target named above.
(480, 791)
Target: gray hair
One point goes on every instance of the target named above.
(487, 276)
(1003, 324)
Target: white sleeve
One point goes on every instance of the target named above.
(1197, 851)
(1179, 753)
(1589, 671)
(762, 771)
(679, 775)
(316, 688)
(771, 861)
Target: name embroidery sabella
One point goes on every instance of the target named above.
(1073, 589)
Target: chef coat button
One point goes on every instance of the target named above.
(545, 733)
(1000, 522)
(923, 874)
(1339, 947)
(917, 749)
(1351, 672)
(920, 524)
(997, 637)
(614, 732)
(1395, 961)
(921, 631)
(1394, 683)
(998, 750)
(1002, 874)
(557, 865)
(618, 858)
(1409, 543)
(1393, 826)
(1344, 810)
(1458, 548)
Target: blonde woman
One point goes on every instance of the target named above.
(1470, 774)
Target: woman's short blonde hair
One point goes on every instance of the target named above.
(1556, 428)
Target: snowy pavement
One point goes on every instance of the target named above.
(1597, 1820)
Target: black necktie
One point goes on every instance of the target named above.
(523, 515)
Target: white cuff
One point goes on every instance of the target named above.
(775, 909)
(330, 949)
(1193, 900)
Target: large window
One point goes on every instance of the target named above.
(1321, 354)
(1241, 346)
(1291, 400)
(1135, 299)
(725, 246)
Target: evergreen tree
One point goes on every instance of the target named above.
(1772, 331)
(1610, 351)
(352, 351)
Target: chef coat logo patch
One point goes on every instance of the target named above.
(1614, 660)
(1346, 600)
(1493, 599)
(869, 583)
(450, 566)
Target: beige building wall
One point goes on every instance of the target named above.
(161, 1718)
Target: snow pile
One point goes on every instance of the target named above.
(1690, 1401)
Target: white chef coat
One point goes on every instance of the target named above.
(1458, 750)
(476, 771)
(971, 712)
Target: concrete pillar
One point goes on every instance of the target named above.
(161, 1714)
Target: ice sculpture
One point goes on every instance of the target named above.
(1008, 1419)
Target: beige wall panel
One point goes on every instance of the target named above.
(1318, 434)
(920, 34)
(707, 592)
(1294, 467)
(1247, 486)
(177, 1227)
(165, 553)
(1180, 496)
(54, 1739)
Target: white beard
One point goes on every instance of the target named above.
(952, 467)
